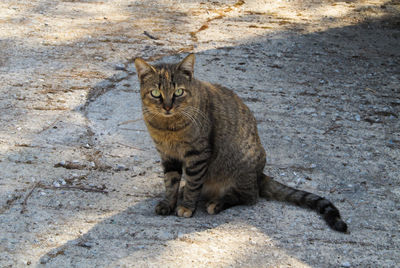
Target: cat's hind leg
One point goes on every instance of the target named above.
(243, 192)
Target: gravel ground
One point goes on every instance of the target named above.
(79, 175)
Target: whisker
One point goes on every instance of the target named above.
(188, 116)
(195, 112)
(191, 118)
(201, 113)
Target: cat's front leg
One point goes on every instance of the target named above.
(172, 178)
(195, 170)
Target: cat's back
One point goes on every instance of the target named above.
(234, 126)
(226, 104)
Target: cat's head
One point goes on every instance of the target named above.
(165, 88)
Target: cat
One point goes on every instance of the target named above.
(207, 133)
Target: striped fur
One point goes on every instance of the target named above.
(208, 135)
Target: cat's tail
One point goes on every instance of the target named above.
(273, 190)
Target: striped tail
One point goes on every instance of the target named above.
(273, 190)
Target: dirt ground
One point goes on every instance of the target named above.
(79, 175)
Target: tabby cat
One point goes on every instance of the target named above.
(206, 132)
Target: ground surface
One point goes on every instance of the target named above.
(322, 78)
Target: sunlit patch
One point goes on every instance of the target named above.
(227, 245)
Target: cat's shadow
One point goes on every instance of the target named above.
(135, 230)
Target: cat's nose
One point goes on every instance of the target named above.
(167, 107)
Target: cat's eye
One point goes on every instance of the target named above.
(155, 93)
(178, 92)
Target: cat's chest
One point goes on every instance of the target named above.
(172, 143)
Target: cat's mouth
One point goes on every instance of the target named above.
(167, 113)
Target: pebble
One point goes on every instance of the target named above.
(56, 184)
(181, 235)
(121, 167)
(119, 67)
(44, 259)
(165, 235)
(87, 146)
(87, 244)
(345, 264)
(300, 181)
(357, 117)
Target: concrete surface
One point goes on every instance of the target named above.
(79, 176)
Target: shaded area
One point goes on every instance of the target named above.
(326, 102)
(325, 91)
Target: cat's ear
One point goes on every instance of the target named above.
(143, 69)
(187, 65)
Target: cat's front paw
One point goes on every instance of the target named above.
(182, 211)
(163, 208)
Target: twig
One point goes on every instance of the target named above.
(130, 146)
(51, 125)
(370, 90)
(331, 128)
(9, 203)
(351, 204)
(27, 197)
(42, 186)
(95, 190)
(129, 121)
(70, 165)
(149, 35)
(132, 129)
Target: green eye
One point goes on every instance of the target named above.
(178, 92)
(155, 93)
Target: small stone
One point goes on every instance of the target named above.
(44, 260)
(87, 146)
(300, 181)
(287, 138)
(357, 117)
(121, 167)
(87, 245)
(181, 235)
(119, 67)
(63, 182)
(346, 264)
(165, 235)
(56, 184)
(313, 165)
